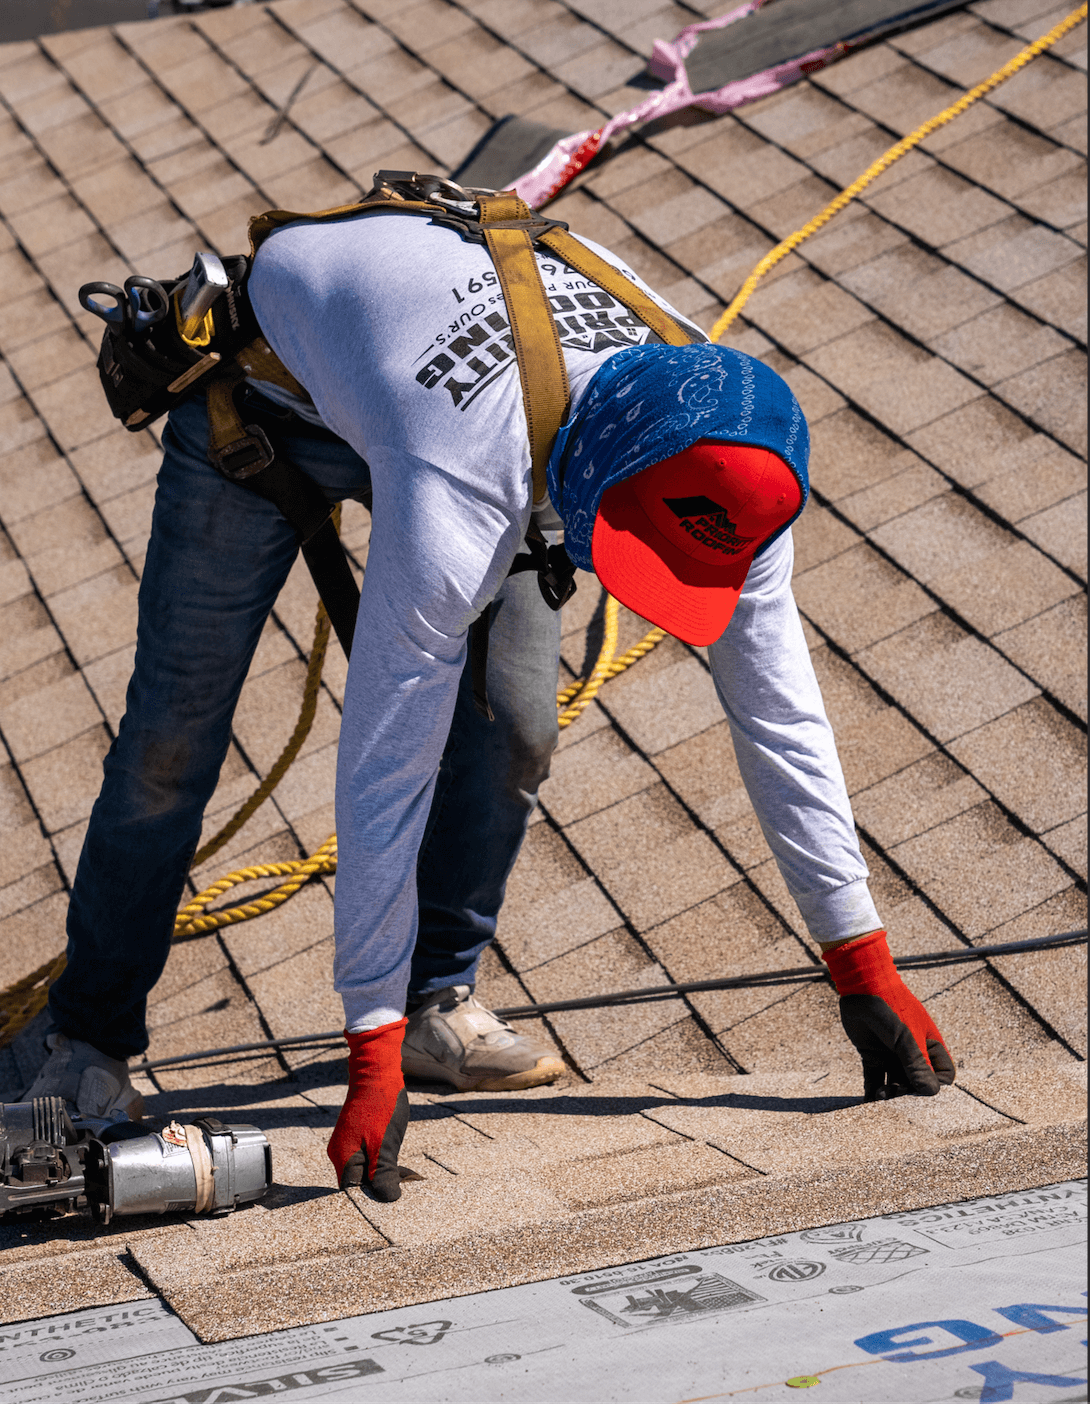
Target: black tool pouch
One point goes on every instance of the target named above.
(147, 374)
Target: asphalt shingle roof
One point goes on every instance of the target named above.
(935, 336)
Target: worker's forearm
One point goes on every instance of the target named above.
(787, 755)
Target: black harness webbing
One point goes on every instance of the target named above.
(478, 662)
(302, 503)
(552, 565)
(300, 500)
(330, 572)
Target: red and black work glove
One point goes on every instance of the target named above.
(367, 1138)
(901, 1049)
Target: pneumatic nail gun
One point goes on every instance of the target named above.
(54, 1163)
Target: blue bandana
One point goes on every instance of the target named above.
(648, 403)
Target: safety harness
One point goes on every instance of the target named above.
(144, 376)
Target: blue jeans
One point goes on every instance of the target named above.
(217, 559)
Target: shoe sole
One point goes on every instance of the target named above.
(545, 1070)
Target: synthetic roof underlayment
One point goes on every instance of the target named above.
(996, 1283)
(934, 334)
(776, 33)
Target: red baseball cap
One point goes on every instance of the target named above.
(674, 542)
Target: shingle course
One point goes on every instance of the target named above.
(860, 597)
(1049, 394)
(1032, 760)
(927, 667)
(1051, 648)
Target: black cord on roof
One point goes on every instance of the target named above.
(649, 994)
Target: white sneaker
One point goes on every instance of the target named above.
(88, 1080)
(453, 1038)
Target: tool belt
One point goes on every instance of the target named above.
(145, 376)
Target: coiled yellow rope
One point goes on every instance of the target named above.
(894, 153)
(191, 922)
(23, 1000)
(589, 690)
(20, 1002)
(580, 690)
(574, 699)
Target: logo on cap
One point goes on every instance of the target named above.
(707, 522)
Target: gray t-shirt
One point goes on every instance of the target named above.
(398, 331)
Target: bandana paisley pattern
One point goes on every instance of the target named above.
(651, 402)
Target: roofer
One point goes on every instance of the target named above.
(675, 477)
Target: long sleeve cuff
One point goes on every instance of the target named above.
(839, 912)
(363, 1012)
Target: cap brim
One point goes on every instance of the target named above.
(687, 598)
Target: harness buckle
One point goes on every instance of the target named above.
(243, 457)
(557, 581)
(413, 185)
(472, 231)
(449, 196)
(553, 567)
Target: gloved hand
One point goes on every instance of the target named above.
(901, 1049)
(367, 1138)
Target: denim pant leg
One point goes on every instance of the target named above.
(217, 558)
(486, 790)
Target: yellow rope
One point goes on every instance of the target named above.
(191, 922)
(588, 691)
(20, 1002)
(583, 691)
(894, 153)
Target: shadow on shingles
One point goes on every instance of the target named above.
(596, 629)
(739, 1100)
(218, 1097)
(239, 1102)
(290, 1196)
(243, 1103)
(80, 1228)
(75, 1229)
(234, 1103)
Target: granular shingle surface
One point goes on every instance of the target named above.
(933, 334)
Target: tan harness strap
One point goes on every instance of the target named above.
(546, 394)
(238, 450)
(510, 229)
(260, 362)
(382, 197)
(224, 422)
(583, 260)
